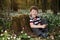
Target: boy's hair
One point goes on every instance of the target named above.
(34, 7)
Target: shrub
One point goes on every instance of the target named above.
(21, 23)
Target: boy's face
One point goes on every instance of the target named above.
(33, 13)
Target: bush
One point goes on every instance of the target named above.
(21, 23)
(53, 22)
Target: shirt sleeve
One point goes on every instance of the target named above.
(31, 21)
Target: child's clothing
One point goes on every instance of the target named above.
(39, 31)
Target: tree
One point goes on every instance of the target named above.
(44, 5)
(54, 6)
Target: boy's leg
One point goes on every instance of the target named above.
(45, 32)
(37, 31)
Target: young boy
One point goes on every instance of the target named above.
(36, 23)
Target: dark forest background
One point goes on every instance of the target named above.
(7, 5)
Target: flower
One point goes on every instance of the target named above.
(25, 33)
(3, 38)
(59, 36)
(18, 38)
(14, 37)
(1, 30)
(28, 36)
(11, 37)
(5, 31)
(8, 38)
(1, 34)
(21, 31)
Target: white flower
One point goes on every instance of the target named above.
(28, 36)
(25, 33)
(5, 31)
(14, 37)
(2, 34)
(8, 38)
(1, 30)
(3, 38)
(11, 37)
(59, 36)
(18, 38)
(21, 31)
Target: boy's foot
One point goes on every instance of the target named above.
(44, 35)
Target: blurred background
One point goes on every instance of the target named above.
(15, 5)
(14, 21)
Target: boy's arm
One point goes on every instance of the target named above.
(37, 26)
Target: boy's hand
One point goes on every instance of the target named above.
(43, 26)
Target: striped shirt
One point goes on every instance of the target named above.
(35, 20)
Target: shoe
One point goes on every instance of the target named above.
(44, 35)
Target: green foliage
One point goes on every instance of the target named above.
(53, 20)
(5, 24)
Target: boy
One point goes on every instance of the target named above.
(36, 23)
